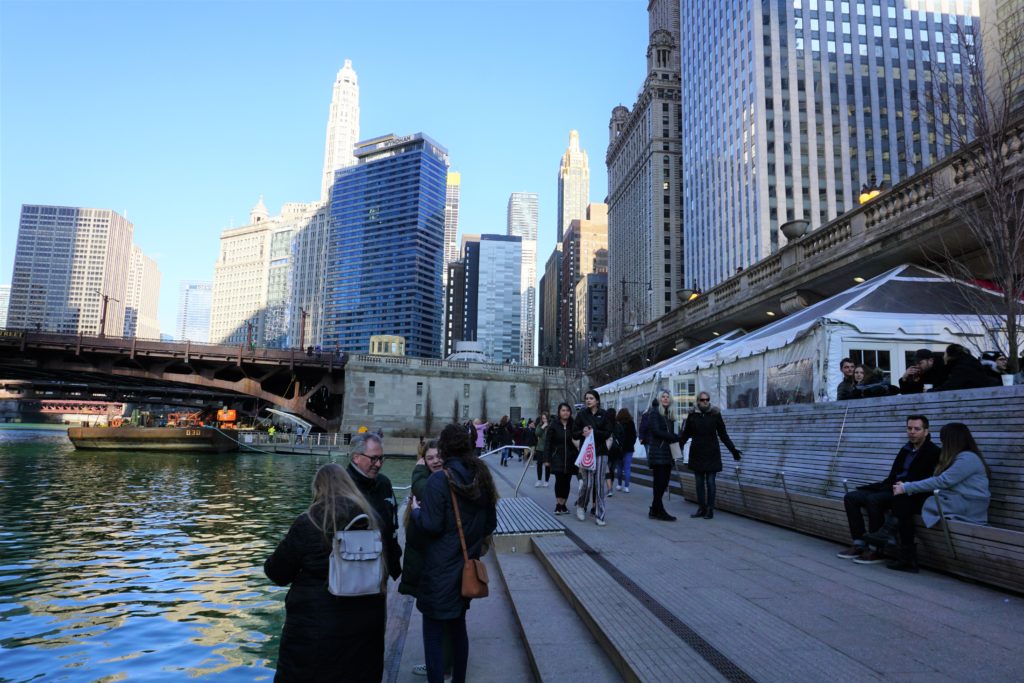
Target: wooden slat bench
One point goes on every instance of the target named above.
(797, 458)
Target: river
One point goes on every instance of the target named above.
(146, 566)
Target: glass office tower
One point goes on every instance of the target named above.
(386, 247)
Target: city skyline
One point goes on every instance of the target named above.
(209, 130)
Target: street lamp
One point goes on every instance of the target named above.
(103, 311)
(690, 294)
(870, 190)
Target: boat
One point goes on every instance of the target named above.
(202, 439)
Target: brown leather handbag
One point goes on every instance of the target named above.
(474, 572)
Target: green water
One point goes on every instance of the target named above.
(146, 566)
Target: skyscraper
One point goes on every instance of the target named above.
(573, 184)
(194, 298)
(5, 301)
(498, 306)
(551, 310)
(451, 217)
(70, 270)
(142, 297)
(584, 248)
(644, 232)
(342, 127)
(386, 249)
(522, 222)
(791, 107)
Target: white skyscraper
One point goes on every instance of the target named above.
(194, 311)
(70, 270)
(522, 222)
(342, 127)
(5, 299)
(497, 301)
(142, 297)
(573, 184)
(451, 218)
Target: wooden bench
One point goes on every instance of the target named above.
(797, 458)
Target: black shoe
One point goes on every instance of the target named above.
(652, 514)
(699, 513)
(710, 514)
(907, 561)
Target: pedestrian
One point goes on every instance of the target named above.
(480, 427)
(503, 439)
(661, 436)
(561, 454)
(367, 458)
(416, 541)
(628, 443)
(593, 422)
(961, 478)
(615, 451)
(467, 482)
(326, 637)
(539, 455)
(705, 426)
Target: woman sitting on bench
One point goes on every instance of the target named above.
(962, 479)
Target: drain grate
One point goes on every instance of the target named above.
(708, 652)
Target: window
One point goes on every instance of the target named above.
(465, 412)
(371, 390)
(465, 391)
(874, 358)
(419, 388)
(369, 408)
(512, 391)
(419, 410)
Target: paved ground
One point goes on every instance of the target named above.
(774, 604)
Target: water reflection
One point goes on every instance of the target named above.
(142, 565)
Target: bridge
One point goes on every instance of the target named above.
(914, 222)
(128, 369)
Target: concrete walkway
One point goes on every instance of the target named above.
(764, 603)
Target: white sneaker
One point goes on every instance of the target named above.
(601, 522)
(611, 493)
(547, 484)
(581, 514)
(618, 487)
(538, 484)
(625, 489)
(420, 669)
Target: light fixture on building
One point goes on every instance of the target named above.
(716, 334)
(690, 294)
(858, 280)
(770, 314)
(870, 190)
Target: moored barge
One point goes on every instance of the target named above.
(191, 439)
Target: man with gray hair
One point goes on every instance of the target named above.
(367, 457)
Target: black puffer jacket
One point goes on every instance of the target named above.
(561, 451)
(440, 585)
(966, 372)
(325, 637)
(415, 540)
(660, 436)
(598, 422)
(705, 428)
(381, 496)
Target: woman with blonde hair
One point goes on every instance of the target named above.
(326, 637)
(961, 477)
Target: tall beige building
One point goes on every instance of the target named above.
(70, 270)
(584, 251)
(573, 184)
(1002, 41)
(142, 297)
(342, 127)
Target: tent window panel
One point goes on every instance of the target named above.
(791, 383)
(874, 358)
(743, 390)
(685, 395)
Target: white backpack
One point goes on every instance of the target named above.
(357, 566)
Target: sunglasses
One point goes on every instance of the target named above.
(374, 460)
(703, 400)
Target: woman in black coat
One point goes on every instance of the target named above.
(561, 454)
(325, 637)
(659, 454)
(705, 426)
(593, 420)
(440, 587)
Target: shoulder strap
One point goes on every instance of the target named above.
(356, 519)
(458, 518)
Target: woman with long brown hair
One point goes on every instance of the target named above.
(326, 636)
(961, 476)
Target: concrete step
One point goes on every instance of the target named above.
(641, 646)
(558, 644)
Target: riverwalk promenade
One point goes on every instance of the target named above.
(728, 599)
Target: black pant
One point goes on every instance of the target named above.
(706, 489)
(662, 473)
(563, 482)
(906, 508)
(877, 504)
(542, 468)
(433, 647)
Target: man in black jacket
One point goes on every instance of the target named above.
(964, 371)
(915, 461)
(367, 459)
(927, 367)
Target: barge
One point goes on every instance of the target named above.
(191, 439)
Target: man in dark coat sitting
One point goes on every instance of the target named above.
(927, 367)
(367, 459)
(964, 371)
(915, 461)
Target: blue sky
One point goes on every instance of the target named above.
(180, 114)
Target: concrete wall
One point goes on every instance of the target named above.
(405, 391)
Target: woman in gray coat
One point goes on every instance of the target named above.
(961, 477)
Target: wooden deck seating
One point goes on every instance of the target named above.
(797, 458)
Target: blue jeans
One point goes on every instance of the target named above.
(623, 467)
(705, 480)
(433, 647)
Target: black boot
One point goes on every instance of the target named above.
(885, 535)
(710, 514)
(699, 513)
(907, 561)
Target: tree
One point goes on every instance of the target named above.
(986, 120)
(455, 411)
(428, 414)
